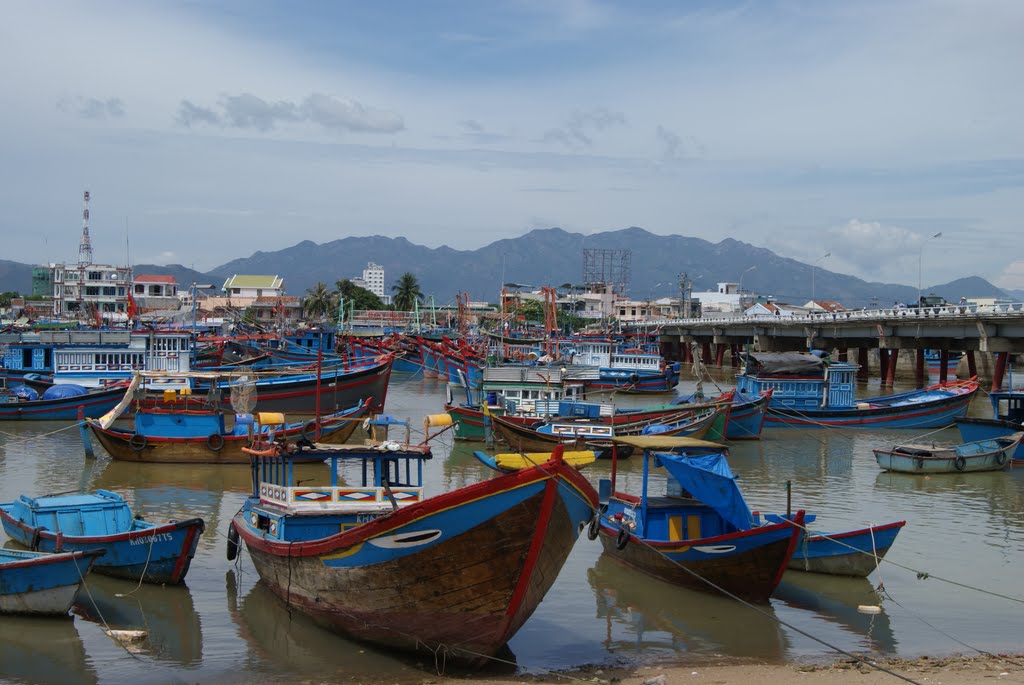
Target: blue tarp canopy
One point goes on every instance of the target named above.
(709, 479)
(64, 390)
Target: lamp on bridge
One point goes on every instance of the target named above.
(741, 285)
(813, 269)
(920, 255)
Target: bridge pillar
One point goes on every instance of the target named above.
(883, 364)
(1000, 370)
(919, 368)
(972, 365)
(705, 352)
(943, 365)
(720, 354)
(736, 355)
(844, 353)
(890, 370)
(863, 373)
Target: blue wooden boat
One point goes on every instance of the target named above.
(848, 553)
(982, 455)
(61, 402)
(1007, 418)
(40, 583)
(134, 549)
(746, 416)
(700, 533)
(457, 574)
(808, 393)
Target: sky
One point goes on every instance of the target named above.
(849, 135)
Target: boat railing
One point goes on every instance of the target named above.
(339, 498)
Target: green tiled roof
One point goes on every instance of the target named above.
(241, 281)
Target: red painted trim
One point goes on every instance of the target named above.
(852, 533)
(539, 534)
(798, 532)
(183, 556)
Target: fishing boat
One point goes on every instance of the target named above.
(848, 553)
(65, 402)
(631, 370)
(506, 462)
(1007, 418)
(200, 436)
(808, 393)
(707, 422)
(456, 574)
(41, 583)
(982, 455)
(133, 549)
(746, 416)
(700, 533)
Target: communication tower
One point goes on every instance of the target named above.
(606, 270)
(85, 246)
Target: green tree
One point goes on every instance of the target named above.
(318, 300)
(6, 297)
(407, 292)
(355, 296)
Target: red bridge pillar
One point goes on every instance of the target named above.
(1000, 370)
(890, 372)
(972, 365)
(919, 372)
(863, 373)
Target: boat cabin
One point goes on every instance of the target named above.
(1008, 405)
(798, 380)
(100, 513)
(390, 476)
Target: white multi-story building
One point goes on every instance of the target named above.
(81, 290)
(373, 280)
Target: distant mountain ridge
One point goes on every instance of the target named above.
(552, 257)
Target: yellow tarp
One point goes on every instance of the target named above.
(515, 461)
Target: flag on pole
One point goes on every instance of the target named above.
(133, 308)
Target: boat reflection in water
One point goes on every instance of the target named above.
(165, 614)
(834, 600)
(288, 642)
(43, 650)
(654, 620)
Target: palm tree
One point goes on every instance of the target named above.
(355, 296)
(318, 300)
(407, 292)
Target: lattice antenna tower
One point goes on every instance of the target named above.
(608, 268)
(85, 246)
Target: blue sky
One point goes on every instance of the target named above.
(208, 130)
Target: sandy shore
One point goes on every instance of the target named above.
(957, 670)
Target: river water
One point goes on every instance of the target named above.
(223, 626)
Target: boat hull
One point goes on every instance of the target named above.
(932, 414)
(747, 564)
(64, 409)
(983, 455)
(488, 555)
(41, 584)
(972, 430)
(122, 445)
(831, 553)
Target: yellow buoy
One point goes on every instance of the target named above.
(270, 418)
(437, 420)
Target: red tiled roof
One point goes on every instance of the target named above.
(155, 279)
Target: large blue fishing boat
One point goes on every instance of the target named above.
(811, 393)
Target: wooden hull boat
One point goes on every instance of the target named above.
(981, 455)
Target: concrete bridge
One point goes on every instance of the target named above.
(986, 335)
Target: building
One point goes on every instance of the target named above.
(240, 287)
(154, 292)
(90, 291)
(373, 280)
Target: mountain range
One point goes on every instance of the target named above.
(554, 257)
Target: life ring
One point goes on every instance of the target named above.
(232, 541)
(960, 463)
(215, 441)
(593, 529)
(622, 539)
(309, 430)
(138, 442)
(1001, 458)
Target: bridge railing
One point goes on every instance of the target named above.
(949, 311)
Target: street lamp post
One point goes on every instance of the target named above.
(920, 256)
(813, 269)
(741, 285)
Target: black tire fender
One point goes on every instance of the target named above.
(138, 442)
(309, 430)
(594, 528)
(622, 539)
(232, 541)
(960, 463)
(215, 441)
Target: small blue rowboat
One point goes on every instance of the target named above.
(848, 553)
(980, 455)
(134, 549)
(42, 584)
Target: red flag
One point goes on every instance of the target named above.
(133, 308)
